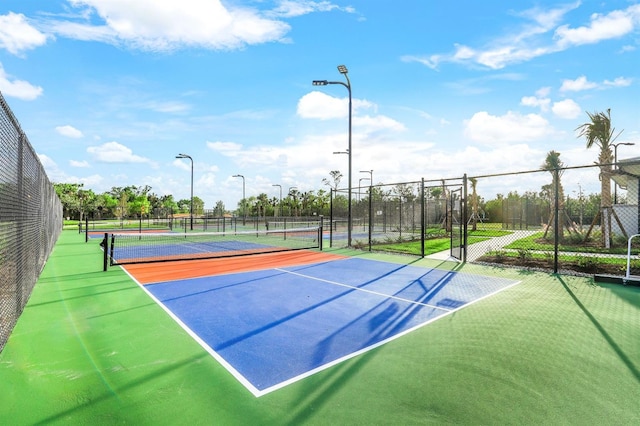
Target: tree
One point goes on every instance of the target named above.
(68, 194)
(169, 204)
(599, 132)
(262, 203)
(198, 206)
(554, 165)
(336, 177)
(219, 209)
(292, 201)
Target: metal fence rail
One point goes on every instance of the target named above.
(545, 219)
(30, 220)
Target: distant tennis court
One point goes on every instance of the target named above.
(272, 319)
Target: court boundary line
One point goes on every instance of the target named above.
(257, 392)
(364, 289)
(227, 366)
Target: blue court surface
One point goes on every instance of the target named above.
(272, 327)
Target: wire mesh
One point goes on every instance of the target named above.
(30, 220)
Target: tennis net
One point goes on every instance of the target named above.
(127, 248)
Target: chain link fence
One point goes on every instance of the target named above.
(554, 219)
(30, 220)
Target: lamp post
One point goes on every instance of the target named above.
(191, 203)
(370, 175)
(360, 186)
(615, 162)
(280, 203)
(244, 200)
(343, 70)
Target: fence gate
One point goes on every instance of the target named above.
(455, 222)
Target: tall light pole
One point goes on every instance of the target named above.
(191, 204)
(343, 70)
(244, 200)
(615, 162)
(360, 186)
(370, 175)
(280, 203)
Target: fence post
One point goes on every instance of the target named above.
(556, 221)
(331, 218)
(422, 218)
(464, 218)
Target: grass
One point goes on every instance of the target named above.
(431, 245)
(537, 242)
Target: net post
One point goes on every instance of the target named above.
(86, 228)
(112, 248)
(320, 233)
(105, 252)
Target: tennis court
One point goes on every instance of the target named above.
(93, 347)
(271, 327)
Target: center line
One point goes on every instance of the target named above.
(363, 289)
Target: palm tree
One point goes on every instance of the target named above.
(599, 132)
(553, 165)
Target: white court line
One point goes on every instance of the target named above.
(364, 289)
(261, 392)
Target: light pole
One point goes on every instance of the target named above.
(370, 175)
(244, 200)
(343, 70)
(360, 186)
(615, 162)
(191, 203)
(280, 203)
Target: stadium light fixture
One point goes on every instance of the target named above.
(370, 175)
(343, 70)
(191, 203)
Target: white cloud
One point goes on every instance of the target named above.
(290, 8)
(567, 109)
(602, 27)
(379, 122)
(47, 162)
(509, 128)
(69, 131)
(57, 175)
(18, 88)
(168, 107)
(17, 35)
(114, 152)
(81, 164)
(165, 25)
(543, 34)
(229, 149)
(618, 82)
(322, 106)
(533, 101)
(581, 83)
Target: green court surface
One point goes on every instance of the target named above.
(93, 348)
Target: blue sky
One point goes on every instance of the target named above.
(110, 91)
